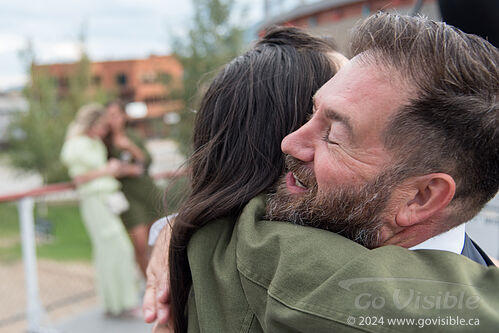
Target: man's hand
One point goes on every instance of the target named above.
(156, 304)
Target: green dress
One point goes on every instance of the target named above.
(116, 275)
(144, 197)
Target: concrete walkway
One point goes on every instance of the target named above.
(94, 321)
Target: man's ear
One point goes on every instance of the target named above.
(427, 196)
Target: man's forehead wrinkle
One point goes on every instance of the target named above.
(327, 101)
(389, 71)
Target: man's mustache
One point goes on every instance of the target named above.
(303, 173)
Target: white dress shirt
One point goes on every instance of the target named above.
(452, 241)
(157, 227)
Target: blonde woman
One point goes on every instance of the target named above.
(101, 201)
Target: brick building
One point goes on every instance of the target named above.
(138, 80)
(335, 18)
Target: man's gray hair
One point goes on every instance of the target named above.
(450, 122)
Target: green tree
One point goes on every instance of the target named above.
(215, 36)
(37, 135)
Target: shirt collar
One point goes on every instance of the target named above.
(452, 241)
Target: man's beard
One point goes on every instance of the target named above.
(354, 211)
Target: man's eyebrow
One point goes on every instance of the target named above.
(333, 115)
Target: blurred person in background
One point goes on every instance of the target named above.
(101, 201)
(138, 187)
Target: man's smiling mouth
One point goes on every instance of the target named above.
(298, 182)
(294, 185)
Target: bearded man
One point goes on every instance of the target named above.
(403, 146)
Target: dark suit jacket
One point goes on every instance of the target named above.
(475, 253)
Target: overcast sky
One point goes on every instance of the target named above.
(115, 29)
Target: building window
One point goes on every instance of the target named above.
(155, 99)
(149, 77)
(63, 82)
(96, 80)
(156, 77)
(164, 78)
(121, 79)
(127, 96)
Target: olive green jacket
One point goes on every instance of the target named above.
(252, 275)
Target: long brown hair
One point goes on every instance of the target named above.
(250, 106)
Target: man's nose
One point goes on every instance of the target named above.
(299, 143)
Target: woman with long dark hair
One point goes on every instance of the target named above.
(250, 106)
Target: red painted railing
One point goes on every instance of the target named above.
(59, 187)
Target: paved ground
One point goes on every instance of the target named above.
(93, 321)
(68, 294)
(66, 289)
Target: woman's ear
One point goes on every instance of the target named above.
(427, 196)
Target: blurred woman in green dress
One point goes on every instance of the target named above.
(85, 156)
(137, 186)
